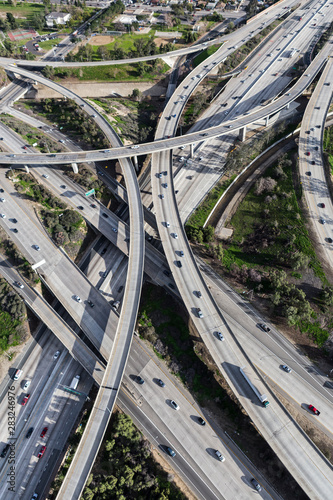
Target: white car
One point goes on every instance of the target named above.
(167, 224)
(175, 235)
(26, 385)
(77, 298)
(135, 147)
(36, 247)
(219, 336)
(3, 216)
(45, 176)
(56, 355)
(2, 200)
(174, 404)
(219, 456)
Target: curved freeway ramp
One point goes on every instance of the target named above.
(311, 163)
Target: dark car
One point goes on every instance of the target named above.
(308, 153)
(42, 451)
(201, 421)
(314, 410)
(170, 451)
(308, 173)
(322, 205)
(93, 205)
(139, 380)
(80, 207)
(63, 186)
(5, 450)
(1, 190)
(14, 221)
(15, 230)
(105, 215)
(30, 431)
(160, 383)
(313, 162)
(264, 327)
(44, 431)
(103, 251)
(120, 289)
(25, 399)
(198, 294)
(166, 272)
(90, 303)
(329, 240)
(178, 263)
(170, 285)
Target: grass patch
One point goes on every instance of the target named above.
(199, 217)
(205, 54)
(49, 43)
(118, 72)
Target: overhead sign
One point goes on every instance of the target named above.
(89, 193)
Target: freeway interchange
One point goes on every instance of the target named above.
(112, 337)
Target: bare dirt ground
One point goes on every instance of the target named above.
(101, 40)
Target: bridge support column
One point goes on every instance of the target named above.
(26, 168)
(192, 150)
(242, 134)
(75, 168)
(135, 160)
(266, 121)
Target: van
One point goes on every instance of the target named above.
(17, 375)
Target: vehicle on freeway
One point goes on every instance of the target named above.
(2, 190)
(5, 451)
(264, 327)
(103, 251)
(139, 380)
(286, 368)
(175, 235)
(255, 484)
(167, 224)
(15, 230)
(329, 240)
(135, 147)
(56, 355)
(115, 230)
(322, 221)
(34, 496)
(219, 336)
(41, 452)
(44, 431)
(174, 405)
(178, 263)
(45, 176)
(308, 173)
(159, 175)
(219, 456)
(90, 303)
(166, 272)
(18, 284)
(80, 207)
(93, 205)
(198, 294)
(181, 253)
(171, 286)
(160, 383)
(30, 431)
(170, 451)
(322, 205)
(2, 200)
(314, 410)
(162, 196)
(3, 216)
(116, 304)
(26, 385)
(105, 215)
(25, 399)
(308, 153)
(17, 374)
(77, 298)
(201, 421)
(36, 247)
(165, 185)
(200, 315)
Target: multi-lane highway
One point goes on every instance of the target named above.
(301, 457)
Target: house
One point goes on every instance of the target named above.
(55, 18)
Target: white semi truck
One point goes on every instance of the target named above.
(75, 382)
(248, 374)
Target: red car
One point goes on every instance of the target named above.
(25, 399)
(314, 410)
(308, 153)
(44, 431)
(42, 451)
